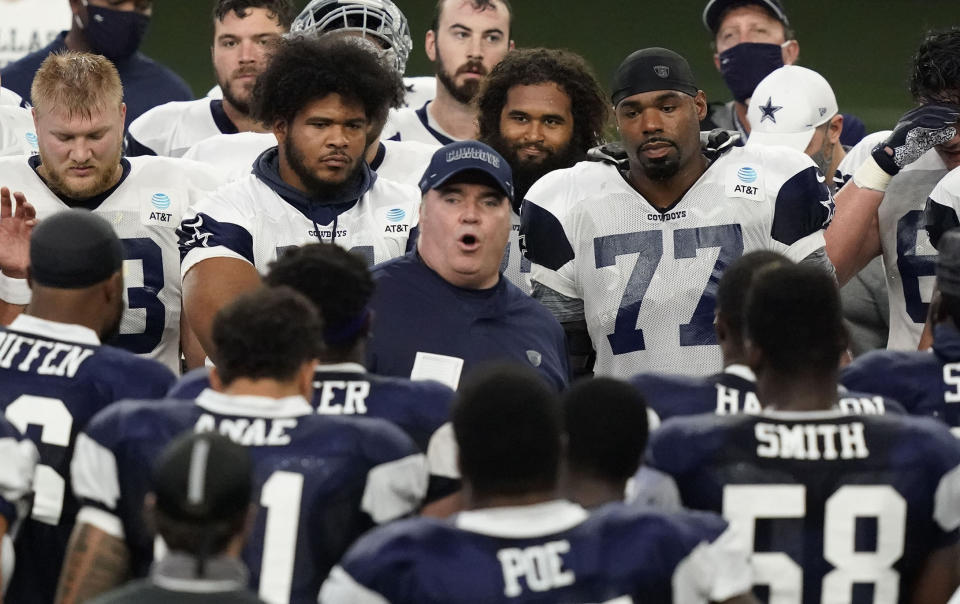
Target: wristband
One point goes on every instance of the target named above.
(871, 176)
(14, 291)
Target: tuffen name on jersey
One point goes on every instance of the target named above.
(667, 216)
(811, 441)
(249, 432)
(11, 344)
(540, 566)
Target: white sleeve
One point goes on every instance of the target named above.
(946, 502)
(93, 473)
(396, 488)
(857, 155)
(14, 291)
(653, 488)
(714, 572)
(20, 458)
(442, 453)
(547, 224)
(341, 588)
(216, 227)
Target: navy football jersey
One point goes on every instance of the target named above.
(834, 505)
(550, 552)
(319, 481)
(419, 408)
(926, 384)
(733, 391)
(54, 378)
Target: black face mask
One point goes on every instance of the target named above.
(744, 65)
(116, 34)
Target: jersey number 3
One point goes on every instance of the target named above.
(626, 337)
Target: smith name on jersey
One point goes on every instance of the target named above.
(55, 377)
(648, 278)
(172, 128)
(733, 391)
(235, 154)
(144, 208)
(908, 256)
(259, 216)
(320, 481)
(836, 507)
(552, 552)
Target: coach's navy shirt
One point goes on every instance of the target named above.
(146, 83)
(416, 310)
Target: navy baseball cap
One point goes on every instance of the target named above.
(715, 8)
(467, 156)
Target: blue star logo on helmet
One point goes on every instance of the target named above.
(160, 201)
(396, 215)
(31, 139)
(769, 110)
(747, 174)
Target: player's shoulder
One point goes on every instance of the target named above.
(576, 182)
(670, 394)
(773, 165)
(925, 440)
(683, 443)
(171, 170)
(418, 148)
(127, 374)
(394, 272)
(668, 526)
(389, 193)
(161, 116)
(393, 547)
(416, 390)
(885, 365)
(133, 420)
(947, 190)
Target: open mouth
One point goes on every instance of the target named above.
(469, 242)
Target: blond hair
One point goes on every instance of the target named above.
(79, 83)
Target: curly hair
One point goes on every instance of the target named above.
(302, 70)
(531, 66)
(936, 68)
(282, 10)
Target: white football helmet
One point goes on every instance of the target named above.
(380, 20)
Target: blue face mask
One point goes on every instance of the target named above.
(116, 34)
(744, 65)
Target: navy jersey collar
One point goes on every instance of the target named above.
(425, 120)
(221, 119)
(378, 158)
(946, 342)
(322, 211)
(88, 204)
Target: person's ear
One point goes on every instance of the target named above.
(305, 378)
(216, 382)
(835, 129)
(430, 45)
(701, 103)
(791, 52)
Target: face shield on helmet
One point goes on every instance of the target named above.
(378, 20)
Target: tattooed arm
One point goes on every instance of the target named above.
(95, 563)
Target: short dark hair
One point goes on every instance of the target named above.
(206, 541)
(949, 307)
(531, 66)
(508, 424)
(267, 333)
(936, 68)
(606, 423)
(282, 10)
(302, 70)
(735, 284)
(479, 5)
(335, 280)
(793, 315)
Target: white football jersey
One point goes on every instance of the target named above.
(420, 90)
(909, 259)
(648, 278)
(234, 154)
(945, 202)
(515, 266)
(412, 124)
(172, 128)
(248, 220)
(145, 210)
(17, 133)
(9, 97)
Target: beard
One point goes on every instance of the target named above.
(659, 168)
(525, 171)
(317, 187)
(466, 92)
(104, 179)
(240, 104)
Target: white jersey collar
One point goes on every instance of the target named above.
(341, 368)
(523, 522)
(68, 332)
(801, 415)
(253, 406)
(741, 371)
